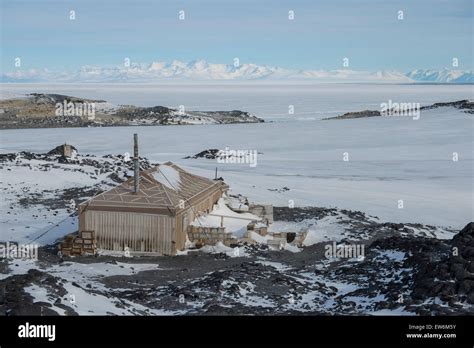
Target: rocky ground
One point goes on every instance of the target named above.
(38, 110)
(406, 268)
(113, 168)
(399, 275)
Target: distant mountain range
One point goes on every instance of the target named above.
(201, 70)
(441, 76)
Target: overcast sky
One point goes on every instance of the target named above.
(322, 33)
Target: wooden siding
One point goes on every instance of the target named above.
(204, 206)
(142, 233)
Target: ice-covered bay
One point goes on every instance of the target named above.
(269, 101)
(390, 159)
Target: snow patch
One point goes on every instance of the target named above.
(236, 223)
(168, 176)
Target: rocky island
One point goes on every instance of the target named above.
(463, 105)
(39, 110)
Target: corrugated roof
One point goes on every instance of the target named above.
(163, 186)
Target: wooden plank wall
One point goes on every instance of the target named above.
(138, 232)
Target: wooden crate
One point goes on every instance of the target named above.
(87, 234)
(263, 231)
(78, 245)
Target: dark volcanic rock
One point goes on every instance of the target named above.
(446, 274)
(58, 150)
(15, 301)
(301, 213)
(464, 105)
(356, 114)
(52, 99)
(156, 113)
(209, 154)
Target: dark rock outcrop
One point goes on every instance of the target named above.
(446, 271)
(463, 105)
(58, 150)
(208, 154)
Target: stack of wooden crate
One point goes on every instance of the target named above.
(257, 227)
(88, 241)
(210, 235)
(66, 245)
(78, 245)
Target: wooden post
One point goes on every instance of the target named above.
(222, 221)
(136, 179)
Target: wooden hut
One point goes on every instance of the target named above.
(150, 216)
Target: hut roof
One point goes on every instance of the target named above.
(162, 189)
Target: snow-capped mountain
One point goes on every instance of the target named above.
(201, 70)
(346, 75)
(441, 76)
